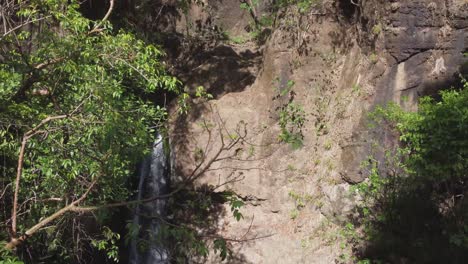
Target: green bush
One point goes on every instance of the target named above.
(414, 206)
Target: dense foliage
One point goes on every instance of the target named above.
(73, 91)
(414, 206)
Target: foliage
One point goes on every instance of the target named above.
(108, 244)
(302, 5)
(185, 99)
(414, 204)
(249, 7)
(300, 201)
(291, 115)
(196, 214)
(99, 80)
(235, 204)
(322, 103)
(260, 27)
(373, 58)
(6, 256)
(220, 245)
(238, 39)
(202, 93)
(291, 120)
(377, 29)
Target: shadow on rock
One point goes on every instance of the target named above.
(220, 70)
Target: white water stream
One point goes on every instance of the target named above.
(154, 181)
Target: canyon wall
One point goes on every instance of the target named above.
(333, 64)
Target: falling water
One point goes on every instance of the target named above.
(154, 181)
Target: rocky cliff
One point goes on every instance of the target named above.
(326, 68)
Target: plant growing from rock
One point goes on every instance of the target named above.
(291, 121)
(291, 115)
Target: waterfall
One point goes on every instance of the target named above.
(154, 181)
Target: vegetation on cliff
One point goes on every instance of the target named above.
(414, 203)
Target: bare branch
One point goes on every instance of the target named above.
(4, 190)
(196, 173)
(354, 3)
(22, 25)
(106, 16)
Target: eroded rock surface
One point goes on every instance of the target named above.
(337, 62)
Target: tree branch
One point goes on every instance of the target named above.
(106, 16)
(14, 242)
(197, 172)
(41, 66)
(354, 3)
(19, 170)
(22, 25)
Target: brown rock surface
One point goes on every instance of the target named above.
(342, 66)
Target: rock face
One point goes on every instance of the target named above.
(336, 62)
(427, 40)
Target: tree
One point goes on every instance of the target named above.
(74, 120)
(414, 206)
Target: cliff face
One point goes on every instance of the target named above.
(335, 62)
